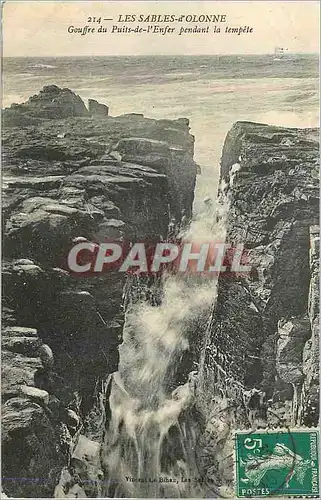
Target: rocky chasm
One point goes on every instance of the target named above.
(248, 355)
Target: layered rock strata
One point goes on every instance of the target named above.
(69, 174)
(260, 363)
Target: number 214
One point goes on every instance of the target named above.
(94, 20)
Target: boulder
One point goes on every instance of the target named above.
(46, 355)
(37, 395)
(72, 419)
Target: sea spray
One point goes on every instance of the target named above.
(150, 445)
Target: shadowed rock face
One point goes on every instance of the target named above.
(263, 328)
(70, 175)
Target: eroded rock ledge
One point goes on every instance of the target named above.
(70, 172)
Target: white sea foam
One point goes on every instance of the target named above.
(144, 415)
(43, 66)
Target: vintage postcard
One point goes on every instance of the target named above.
(160, 249)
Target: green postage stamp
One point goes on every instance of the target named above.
(277, 462)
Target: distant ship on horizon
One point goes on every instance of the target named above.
(279, 50)
(280, 53)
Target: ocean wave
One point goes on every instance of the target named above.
(43, 66)
(301, 118)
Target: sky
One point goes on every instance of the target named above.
(40, 28)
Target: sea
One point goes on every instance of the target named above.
(212, 91)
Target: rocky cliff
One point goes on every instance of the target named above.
(261, 359)
(73, 173)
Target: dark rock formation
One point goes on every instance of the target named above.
(52, 102)
(263, 329)
(74, 175)
(70, 177)
(33, 447)
(95, 108)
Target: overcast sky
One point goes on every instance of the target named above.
(40, 28)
